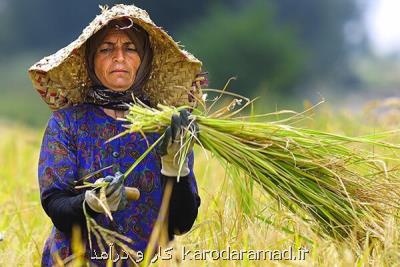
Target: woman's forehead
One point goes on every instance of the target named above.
(114, 35)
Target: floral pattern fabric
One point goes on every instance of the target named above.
(74, 145)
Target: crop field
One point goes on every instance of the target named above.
(237, 225)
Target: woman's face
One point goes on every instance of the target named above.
(116, 61)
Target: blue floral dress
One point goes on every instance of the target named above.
(74, 146)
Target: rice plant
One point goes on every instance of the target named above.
(320, 176)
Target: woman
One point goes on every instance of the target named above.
(88, 84)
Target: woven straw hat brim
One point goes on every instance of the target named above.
(62, 79)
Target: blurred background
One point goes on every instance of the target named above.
(285, 51)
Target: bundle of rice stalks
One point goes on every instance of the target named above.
(318, 175)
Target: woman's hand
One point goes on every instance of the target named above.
(172, 142)
(115, 194)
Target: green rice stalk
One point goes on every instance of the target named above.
(343, 188)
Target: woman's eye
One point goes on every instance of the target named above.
(132, 49)
(105, 50)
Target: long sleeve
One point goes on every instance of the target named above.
(184, 202)
(56, 173)
(65, 210)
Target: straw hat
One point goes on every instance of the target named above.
(62, 79)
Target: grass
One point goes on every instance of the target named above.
(19, 100)
(227, 217)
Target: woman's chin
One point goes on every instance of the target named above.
(119, 87)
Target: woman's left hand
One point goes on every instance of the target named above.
(172, 142)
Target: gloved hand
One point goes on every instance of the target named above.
(115, 194)
(172, 142)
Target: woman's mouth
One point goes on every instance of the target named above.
(119, 71)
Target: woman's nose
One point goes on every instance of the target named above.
(119, 54)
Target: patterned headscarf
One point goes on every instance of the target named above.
(100, 95)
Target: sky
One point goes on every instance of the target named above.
(383, 24)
